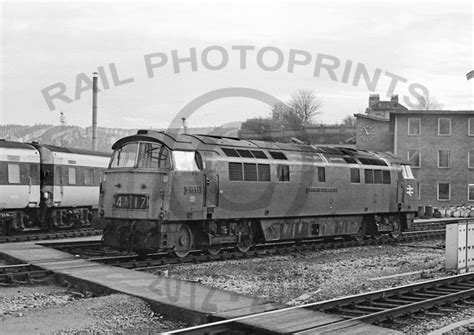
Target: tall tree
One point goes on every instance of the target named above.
(299, 110)
(305, 104)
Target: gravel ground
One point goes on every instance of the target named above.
(51, 309)
(321, 275)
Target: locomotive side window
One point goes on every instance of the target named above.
(34, 173)
(187, 160)
(355, 176)
(14, 173)
(386, 177)
(283, 172)
(321, 174)
(124, 156)
(154, 156)
(72, 175)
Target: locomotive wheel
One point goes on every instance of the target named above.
(245, 244)
(397, 231)
(184, 241)
(215, 250)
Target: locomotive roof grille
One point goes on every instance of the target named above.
(372, 161)
(277, 155)
(244, 153)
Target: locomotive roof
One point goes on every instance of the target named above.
(176, 141)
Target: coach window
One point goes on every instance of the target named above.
(88, 177)
(355, 176)
(72, 175)
(283, 172)
(187, 160)
(14, 173)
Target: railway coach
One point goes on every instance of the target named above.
(47, 187)
(182, 192)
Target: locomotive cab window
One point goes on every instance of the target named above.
(187, 160)
(124, 156)
(154, 156)
(406, 172)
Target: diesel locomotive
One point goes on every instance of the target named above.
(179, 192)
(48, 187)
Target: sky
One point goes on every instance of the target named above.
(50, 49)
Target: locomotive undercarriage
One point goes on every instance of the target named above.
(144, 236)
(17, 221)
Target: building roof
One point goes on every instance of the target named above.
(365, 116)
(430, 112)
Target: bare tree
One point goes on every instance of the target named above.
(286, 116)
(305, 105)
(349, 121)
(429, 103)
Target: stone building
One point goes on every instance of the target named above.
(438, 143)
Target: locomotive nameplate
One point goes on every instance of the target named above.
(192, 189)
(131, 201)
(321, 189)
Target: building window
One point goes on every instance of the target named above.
(470, 192)
(444, 126)
(355, 176)
(444, 191)
(414, 158)
(470, 159)
(471, 126)
(14, 173)
(283, 172)
(444, 158)
(414, 126)
(321, 174)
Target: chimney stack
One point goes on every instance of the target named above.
(394, 98)
(373, 99)
(94, 111)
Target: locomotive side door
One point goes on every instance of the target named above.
(211, 187)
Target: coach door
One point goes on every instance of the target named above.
(58, 181)
(211, 184)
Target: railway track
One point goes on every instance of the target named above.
(21, 273)
(95, 252)
(37, 236)
(373, 307)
